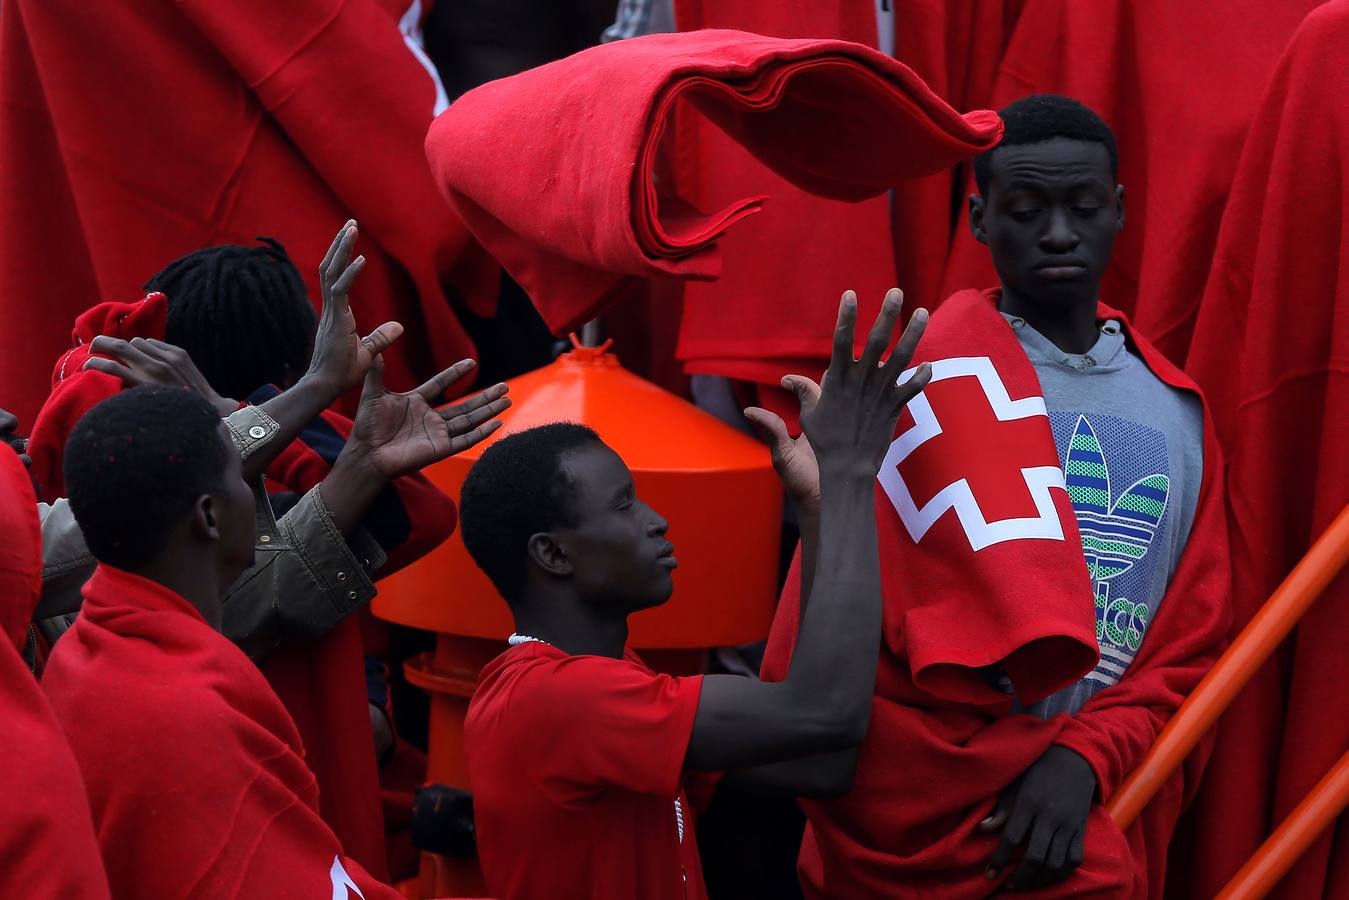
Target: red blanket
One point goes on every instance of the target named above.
(195, 772)
(575, 217)
(1272, 350)
(277, 119)
(1177, 83)
(47, 839)
(781, 276)
(320, 682)
(935, 759)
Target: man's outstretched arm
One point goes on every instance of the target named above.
(824, 704)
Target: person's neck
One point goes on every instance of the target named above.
(572, 626)
(195, 581)
(1071, 329)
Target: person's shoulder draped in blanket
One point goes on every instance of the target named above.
(1073, 549)
(196, 773)
(47, 833)
(243, 315)
(577, 752)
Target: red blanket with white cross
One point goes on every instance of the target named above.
(983, 575)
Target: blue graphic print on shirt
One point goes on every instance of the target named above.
(1118, 478)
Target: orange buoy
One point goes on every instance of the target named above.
(715, 486)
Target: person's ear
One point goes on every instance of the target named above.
(205, 518)
(1119, 206)
(548, 554)
(977, 228)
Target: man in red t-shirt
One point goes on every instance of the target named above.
(577, 752)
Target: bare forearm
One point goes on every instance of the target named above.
(350, 489)
(292, 410)
(808, 519)
(834, 663)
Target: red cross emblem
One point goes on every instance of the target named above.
(969, 458)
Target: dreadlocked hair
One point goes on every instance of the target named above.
(241, 313)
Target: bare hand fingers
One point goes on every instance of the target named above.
(476, 436)
(332, 248)
(1031, 871)
(1056, 858)
(1076, 848)
(431, 390)
(807, 392)
(913, 385)
(884, 326)
(1001, 810)
(382, 337)
(342, 286)
(465, 423)
(115, 369)
(843, 334)
(482, 398)
(126, 351)
(1018, 823)
(771, 427)
(908, 341)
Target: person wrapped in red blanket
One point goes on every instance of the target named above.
(1271, 349)
(1055, 565)
(47, 835)
(242, 315)
(195, 771)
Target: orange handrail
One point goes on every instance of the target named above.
(1290, 840)
(1229, 675)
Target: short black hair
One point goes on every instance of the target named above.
(516, 490)
(135, 464)
(1043, 117)
(241, 313)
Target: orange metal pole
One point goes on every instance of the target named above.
(1290, 840)
(1229, 675)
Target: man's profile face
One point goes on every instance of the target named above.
(617, 547)
(1050, 219)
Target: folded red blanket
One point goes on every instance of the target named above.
(551, 169)
(46, 834)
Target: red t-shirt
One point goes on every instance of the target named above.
(576, 763)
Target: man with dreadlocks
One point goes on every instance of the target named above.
(243, 317)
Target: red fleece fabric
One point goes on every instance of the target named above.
(275, 119)
(1152, 69)
(320, 682)
(895, 834)
(47, 834)
(195, 772)
(575, 217)
(74, 391)
(1272, 350)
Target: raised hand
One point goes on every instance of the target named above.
(852, 420)
(341, 356)
(149, 361)
(403, 433)
(793, 458)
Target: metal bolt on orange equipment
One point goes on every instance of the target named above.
(714, 484)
